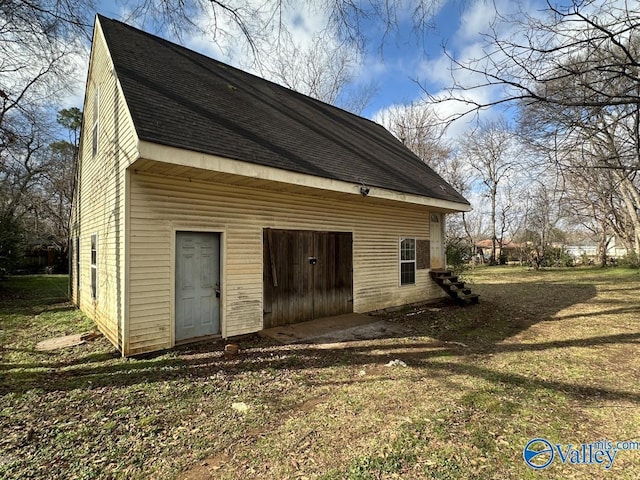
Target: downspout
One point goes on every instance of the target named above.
(116, 212)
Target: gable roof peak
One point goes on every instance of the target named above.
(184, 99)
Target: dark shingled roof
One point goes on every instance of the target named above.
(183, 99)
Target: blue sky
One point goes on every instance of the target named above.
(394, 69)
(404, 58)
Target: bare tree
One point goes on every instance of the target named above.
(22, 168)
(587, 46)
(591, 201)
(542, 217)
(416, 125)
(36, 45)
(490, 153)
(56, 187)
(576, 68)
(323, 70)
(594, 147)
(36, 185)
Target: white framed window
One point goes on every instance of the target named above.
(94, 266)
(94, 130)
(407, 261)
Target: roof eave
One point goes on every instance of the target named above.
(189, 158)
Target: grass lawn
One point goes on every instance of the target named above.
(551, 354)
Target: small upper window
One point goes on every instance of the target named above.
(407, 261)
(94, 266)
(94, 131)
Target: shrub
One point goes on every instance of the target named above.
(557, 257)
(630, 260)
(458, 254)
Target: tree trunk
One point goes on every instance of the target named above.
(631, 199)
(494, 194)
(474, 249)
(602, 248)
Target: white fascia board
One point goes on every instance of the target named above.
(189, 158)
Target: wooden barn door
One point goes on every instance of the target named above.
(307, 275)
(332, 274)
(287, 277)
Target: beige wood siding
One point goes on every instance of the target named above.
(99, 203)
(161, 205)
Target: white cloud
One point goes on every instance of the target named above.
(445, 111)
(468, 46)
(227, 45)
(371, 68)
(221, 38)
(477, 19)
(80, 68)
(435, 71)
(482, 16)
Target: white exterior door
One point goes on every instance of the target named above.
(437, 248)
(197, 284)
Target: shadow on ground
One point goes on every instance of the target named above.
(437, 330)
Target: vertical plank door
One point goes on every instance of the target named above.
(306, 275)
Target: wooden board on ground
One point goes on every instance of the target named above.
(60, 342)
(67, 341)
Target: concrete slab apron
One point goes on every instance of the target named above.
(342, 328)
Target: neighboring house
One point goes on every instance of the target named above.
(590, 251)
(42, 254)
(212, 202)
(510, 250)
